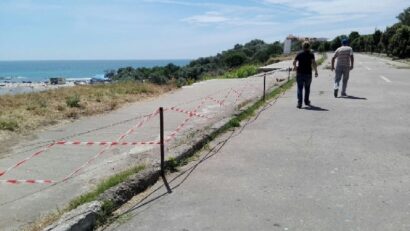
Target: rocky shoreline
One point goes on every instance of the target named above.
(20, 88)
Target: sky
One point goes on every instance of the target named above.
(174, 29)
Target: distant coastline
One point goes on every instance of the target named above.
(40, 71)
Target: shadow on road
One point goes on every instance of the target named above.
(315, 108)
(182, 177)
(353, 97)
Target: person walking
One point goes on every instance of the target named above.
(305, 60)
(345, 62)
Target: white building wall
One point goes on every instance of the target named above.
(287, 46)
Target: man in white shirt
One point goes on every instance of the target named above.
(345, 62)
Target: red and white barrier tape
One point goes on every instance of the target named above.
(27, 159)
(103, 143)
(190, 113)
(177, 130)
(108, 147)
(142, 122)
(30, 181)
(215, 100)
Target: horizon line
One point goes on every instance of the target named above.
(25, 60)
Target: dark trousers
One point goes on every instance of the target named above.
(304, 81)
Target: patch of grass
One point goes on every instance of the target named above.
(172, 164)
(322, 59)
(73, 101)
(235, 122)
(8, 124)
(44, 221)
(34, 110)
(103, 186)
(106, 211)
(241, 72)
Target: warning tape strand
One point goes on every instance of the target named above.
(28, 181)
(27, 159)
(108, 147)
(103, 143)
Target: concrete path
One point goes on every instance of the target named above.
(22, 203)
(342, 165)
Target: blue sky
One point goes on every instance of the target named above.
(174, 29)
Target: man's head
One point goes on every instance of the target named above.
(345, 42)
(306, 46)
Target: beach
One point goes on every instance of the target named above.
(20, 88)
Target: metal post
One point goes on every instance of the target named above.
(289, 74)
(264, 86)
(161, 124)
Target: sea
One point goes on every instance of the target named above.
(41, 71)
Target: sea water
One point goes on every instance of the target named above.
(39, 71)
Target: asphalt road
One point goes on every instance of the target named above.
(21, 204)
(343, 165)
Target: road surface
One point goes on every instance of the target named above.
(343, 165)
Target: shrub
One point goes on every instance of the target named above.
(247, 70)
(73, 101)
(7, 124)
(181, 82)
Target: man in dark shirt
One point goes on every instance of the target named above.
(305, 60)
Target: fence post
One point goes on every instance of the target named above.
(161, 125)
(264, 85)
(289, 74)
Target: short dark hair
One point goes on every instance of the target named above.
(306, 45)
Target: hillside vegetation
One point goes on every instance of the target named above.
(238, 62)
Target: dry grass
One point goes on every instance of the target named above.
(44, 221)
(281, 58)
(25, 112)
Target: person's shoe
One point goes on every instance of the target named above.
(335, 93)
(344, 94)
(299, 105)
(307, 103)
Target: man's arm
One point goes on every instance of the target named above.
(314, 64)
(351, 62)
(294, 64)
(333, 63)
(334, 58)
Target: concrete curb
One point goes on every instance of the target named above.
(85, 216)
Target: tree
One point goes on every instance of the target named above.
(109, 74)
(262, 56)
(377, 36)
(335, 43)
(296, 45)
(353, 35)
(387, 35)
(400, 42)
(275, 49)
(404, 17)
(234, 59)
(170, 70)
(355, 44)
(315, 45)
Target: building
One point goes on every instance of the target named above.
(291, 39)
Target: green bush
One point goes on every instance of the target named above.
(73, 101)
(181, 82)
(7, 124)
(247, 70)
(242, 72)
